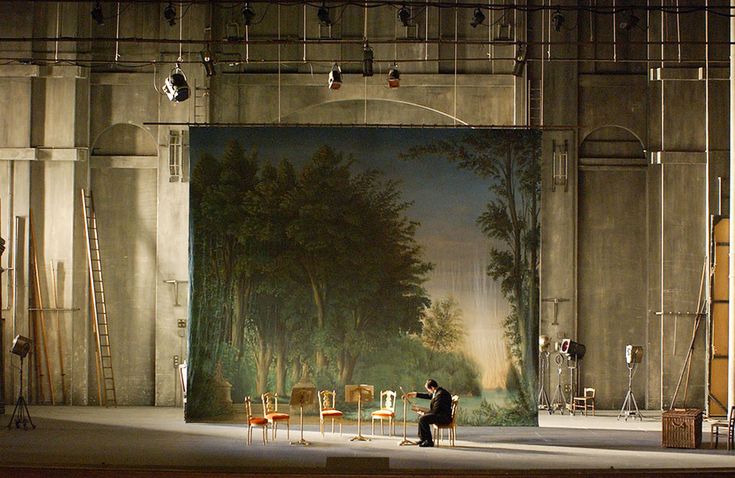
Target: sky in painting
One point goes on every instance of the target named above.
(446, 202)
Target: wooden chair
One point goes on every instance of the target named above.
(387, 411)
(255, 422)
(728, 424)
(451, 426)
(586, 402)
(271, 413)
(327, 410)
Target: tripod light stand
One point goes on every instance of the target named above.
(633, 356)
(21, 415)
(543, 366)
(559, 400)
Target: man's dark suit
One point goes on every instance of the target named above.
(440, 412)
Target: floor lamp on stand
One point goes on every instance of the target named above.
(302, 396)
(405, 440)
(558, 400)
(633, 356)
(358, 393)
(21, 415)
(543, 366)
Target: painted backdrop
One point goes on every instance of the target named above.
(381, 256)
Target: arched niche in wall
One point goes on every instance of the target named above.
(125, 139)
(612, 145)
(612, 259)
(371, 112)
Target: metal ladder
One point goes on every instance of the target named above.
(105, 378)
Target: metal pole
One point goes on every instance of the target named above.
(731, 258)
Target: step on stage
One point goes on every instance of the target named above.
(147, 441)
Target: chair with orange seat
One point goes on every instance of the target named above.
(271, 413)
(327, 410)
(387, 411)
(255, 422)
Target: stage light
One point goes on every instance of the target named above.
(97, 14)
(633, 354)
(394, 77)
(629, 21)
(248, 14)
(175, 86)
(520, 60)
(169, 13)
(543, 342)
(477, 18)
(21, 346)
(367, 60)
(572, 349)
(335, 77)
(323, 15)
(558, 20)
(404, 15)
(207, 62)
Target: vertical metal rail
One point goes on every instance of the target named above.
(105, 377)
(731, 260)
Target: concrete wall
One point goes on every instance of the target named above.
(623, 241)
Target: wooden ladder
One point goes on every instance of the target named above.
(105, 378)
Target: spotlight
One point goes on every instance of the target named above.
(629, 21)
(323, 15)
(169, 13)
(394, 77)
(248, 14)
(558, 20)
(207, 62)
(367, 60)
(404, 16)
(175, 86)
(520, 60)
(477, 18)
(97, 14)
(335, 77)
(633, 354)
(21, 346)
(572, 349)
(543, 342)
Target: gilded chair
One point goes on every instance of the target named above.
(327, 410)
(451, 426)
(255, 422)
(729, 425)
(271, 413)
(387, 411)
(585, 402)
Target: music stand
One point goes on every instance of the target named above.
(302, 396)
(21, 415)
(405, 440)
(358, 393)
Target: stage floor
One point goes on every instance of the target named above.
(149, 438)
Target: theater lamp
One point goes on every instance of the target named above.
(21, 346)
(543, 342)
(572, 349)
(175, 86)
(394, 77)
(633, 354)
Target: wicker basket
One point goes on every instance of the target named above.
(681, 428)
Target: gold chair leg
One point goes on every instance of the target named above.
(288, 429)
(372, 426)
(250, 435)
(265, 434)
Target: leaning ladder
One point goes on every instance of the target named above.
(105, 377)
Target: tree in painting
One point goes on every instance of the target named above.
(295, 269)
(508, 159)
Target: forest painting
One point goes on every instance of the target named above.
(381, 256)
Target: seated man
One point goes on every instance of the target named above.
(439, 412)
